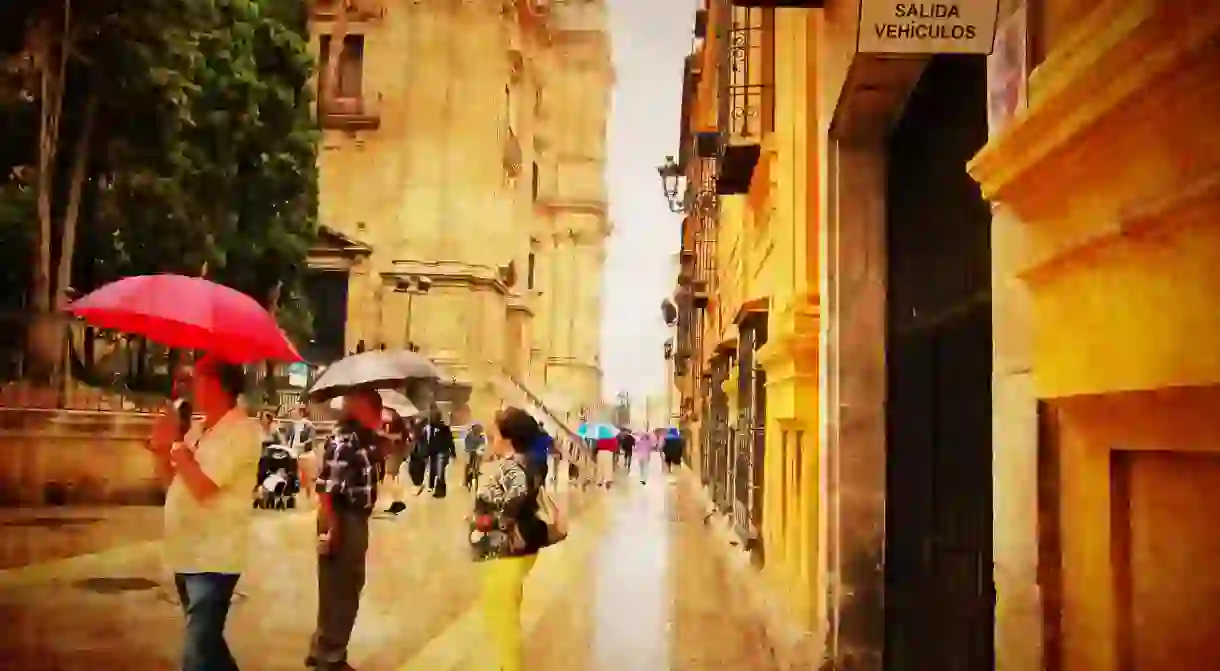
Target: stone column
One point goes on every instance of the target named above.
(855, 372)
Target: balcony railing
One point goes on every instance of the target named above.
(351, 113)
(744, 80)
(357, 10)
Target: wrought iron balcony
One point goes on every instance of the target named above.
(351, 113)
(744, 95)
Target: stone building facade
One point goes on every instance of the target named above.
(462, 188)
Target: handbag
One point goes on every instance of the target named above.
(551, 516)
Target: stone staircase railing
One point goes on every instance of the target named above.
(512, 388)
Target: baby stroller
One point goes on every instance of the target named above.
(279, 479)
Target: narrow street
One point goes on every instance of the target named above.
(637, 585)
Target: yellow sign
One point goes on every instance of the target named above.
(888, 27)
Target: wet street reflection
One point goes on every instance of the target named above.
(638, 585)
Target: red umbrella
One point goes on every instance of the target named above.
(189, 313)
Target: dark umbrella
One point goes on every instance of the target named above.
(378, 369)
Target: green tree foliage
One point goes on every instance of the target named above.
(203, 153)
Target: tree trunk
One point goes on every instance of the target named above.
(80, 166)
(45, 349)
(67, 247)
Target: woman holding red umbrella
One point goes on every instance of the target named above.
(207, 507)
(206, 468)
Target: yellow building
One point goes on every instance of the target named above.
(745, 354)
(462, 190)
(990, 437)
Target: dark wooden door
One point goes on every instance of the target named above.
(939, 591)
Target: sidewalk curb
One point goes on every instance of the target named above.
(795, 646)
(51, 571)
(557, 567)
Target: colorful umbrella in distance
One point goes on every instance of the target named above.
(188, 313)
(597, 431)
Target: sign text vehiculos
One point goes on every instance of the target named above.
(888, 27)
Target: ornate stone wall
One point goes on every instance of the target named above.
(489, 146)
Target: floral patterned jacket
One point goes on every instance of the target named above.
(503, 491)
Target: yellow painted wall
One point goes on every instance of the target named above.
(1116, 184)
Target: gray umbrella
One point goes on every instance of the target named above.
(378, 369)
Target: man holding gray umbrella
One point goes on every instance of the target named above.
(347, 490)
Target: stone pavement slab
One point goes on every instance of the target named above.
(123, 614)
(34, 535)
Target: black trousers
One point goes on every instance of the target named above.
(340, 582)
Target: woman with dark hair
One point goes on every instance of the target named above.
(506, 533)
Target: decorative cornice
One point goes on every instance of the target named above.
(596, 208)
(1122, 52)
(520, 303)
(446, 274)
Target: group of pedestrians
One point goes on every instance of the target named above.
(424, 446)
(208, 518)
(629, 449)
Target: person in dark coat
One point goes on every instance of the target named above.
(438, 437)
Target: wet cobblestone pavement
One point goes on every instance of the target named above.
(635, 587)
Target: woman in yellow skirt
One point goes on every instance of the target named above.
(505, 533)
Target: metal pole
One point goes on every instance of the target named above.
(407, 329)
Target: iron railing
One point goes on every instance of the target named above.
(706, 218)
(718, 435)
(744, 77)
(751, 426)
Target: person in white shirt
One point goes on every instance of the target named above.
(207, 507)
(301, 438)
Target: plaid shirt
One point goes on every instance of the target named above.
(348, 470)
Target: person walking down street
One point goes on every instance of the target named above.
(626, 445)
(538, 459)
(645, 445)
(441, 448)
(673, 451)
(347, 492)
(474, 445)
(208, 517)
(394, 439)
(417, 458)
(607, 449)
(506, 534)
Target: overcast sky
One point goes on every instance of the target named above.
(651, 37)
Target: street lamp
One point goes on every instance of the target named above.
(671, 181)
(411, 285)
(680, 195)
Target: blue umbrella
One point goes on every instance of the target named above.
(597, 431)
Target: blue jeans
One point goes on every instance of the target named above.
(205, 600)
(436, 469)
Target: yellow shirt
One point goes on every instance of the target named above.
(212, 536)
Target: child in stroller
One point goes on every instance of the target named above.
(278, 473)
(278, 479)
